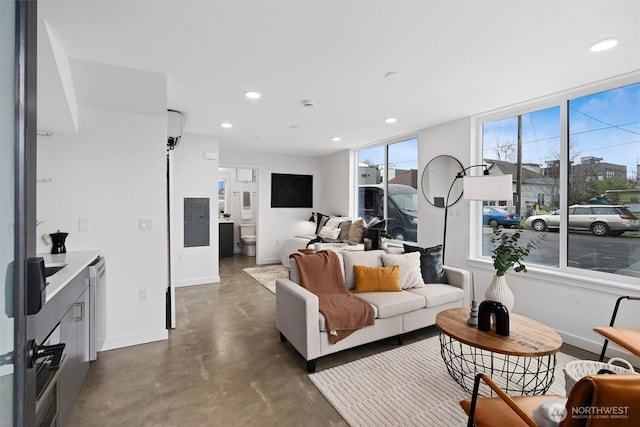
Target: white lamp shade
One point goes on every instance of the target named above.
(488, 187)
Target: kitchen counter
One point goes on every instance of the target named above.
(76, 261)
(66, 318)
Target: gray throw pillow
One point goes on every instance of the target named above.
(430, 263)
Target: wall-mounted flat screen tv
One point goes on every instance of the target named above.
(291, 191)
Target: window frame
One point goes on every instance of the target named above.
(226, 195)
(560, 100)
(385, 144)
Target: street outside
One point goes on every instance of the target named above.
(620, 255)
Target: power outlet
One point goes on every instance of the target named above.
(142, 294)
(145, 224)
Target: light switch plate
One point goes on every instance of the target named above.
(83, 225)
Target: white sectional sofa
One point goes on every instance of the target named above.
(301, 324)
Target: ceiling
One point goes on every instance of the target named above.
(454, 58)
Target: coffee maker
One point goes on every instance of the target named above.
(58, 240)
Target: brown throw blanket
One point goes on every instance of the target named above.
(320, 273)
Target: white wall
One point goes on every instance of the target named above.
(195, 176)
(337, 180)
(274, 225)
(453, 139)
(112, 172)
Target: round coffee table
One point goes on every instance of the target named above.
(521, 363)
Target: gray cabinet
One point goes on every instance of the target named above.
(226, 239)
(74, 332)
(69, 309)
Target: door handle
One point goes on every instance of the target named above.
(35, 352)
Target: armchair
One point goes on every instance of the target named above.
(627, 338)
(595, 401)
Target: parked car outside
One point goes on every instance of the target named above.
(544, 222)
(402, 211)
(495, 217)
(600, 220)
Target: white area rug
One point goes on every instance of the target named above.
(268, 274)
(406, 386)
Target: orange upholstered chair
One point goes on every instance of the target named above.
(627, 338)
(594, 401)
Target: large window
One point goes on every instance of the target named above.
(604, 195)
(527, 146)
(387, 187)
(592, 207)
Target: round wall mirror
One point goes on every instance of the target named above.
(437, 178)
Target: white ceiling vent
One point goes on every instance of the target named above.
(174, 128)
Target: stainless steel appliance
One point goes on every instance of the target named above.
(48, 369)
(97, 315)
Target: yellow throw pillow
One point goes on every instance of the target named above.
(377, 279)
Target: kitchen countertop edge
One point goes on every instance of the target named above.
(76, 262)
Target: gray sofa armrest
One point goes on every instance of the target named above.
(298, 317)
(459, 278)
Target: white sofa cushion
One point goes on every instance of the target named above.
(410, 275)
(437, 294)
(391, 304)
(329, 232)
(368, 258)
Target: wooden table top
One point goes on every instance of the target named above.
(527, 337)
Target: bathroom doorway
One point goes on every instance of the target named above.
(238, 200)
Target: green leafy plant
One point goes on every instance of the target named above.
(508, 252)
(384, 234)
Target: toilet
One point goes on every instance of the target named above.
(248, 238)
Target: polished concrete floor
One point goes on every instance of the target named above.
(223, 365)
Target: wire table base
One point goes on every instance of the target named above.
(516, 375)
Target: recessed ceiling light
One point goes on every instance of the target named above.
(252, 95)
(603, 45)
(336, 139)
(390, 120)
(226, 125)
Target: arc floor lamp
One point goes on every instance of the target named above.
(481, 187)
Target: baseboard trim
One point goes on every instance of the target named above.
(129, 340)
(262, 261)
(197, 281)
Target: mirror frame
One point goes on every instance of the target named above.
(456, 192)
